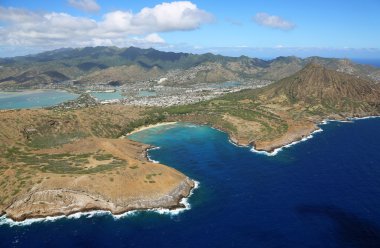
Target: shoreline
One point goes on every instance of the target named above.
(276, 150)
(142, 128)
(182, 202)
(272, 152)
(171, 203)
(147, 155)
(182, 205)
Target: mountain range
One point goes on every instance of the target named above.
(118, 66)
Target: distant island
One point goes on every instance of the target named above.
(75, 157)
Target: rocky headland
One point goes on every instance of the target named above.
(52, 164)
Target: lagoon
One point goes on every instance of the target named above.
(103, 96)
(34, 98)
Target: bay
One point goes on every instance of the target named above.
(324, 192)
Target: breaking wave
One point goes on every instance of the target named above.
(172, 212)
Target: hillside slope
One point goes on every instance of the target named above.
(334, 91)
(285, 111)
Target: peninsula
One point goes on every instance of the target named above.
(52, 164)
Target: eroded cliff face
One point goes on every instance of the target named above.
(130, 182)
(43, 202)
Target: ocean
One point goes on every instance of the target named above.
(374, 62)
(324, 192)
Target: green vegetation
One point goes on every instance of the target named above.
(62, 163)
(53, 140)
(149, 178)
(213, 111)
(154, 118)
(102, 157)
(105, 129)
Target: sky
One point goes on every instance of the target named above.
(256, 28)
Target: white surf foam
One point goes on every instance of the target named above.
(6, 221)
(277, 150)
(185, 201)
(349, 119)
(191, 125)
(364, 118)
(148, 156)
(237, 145)
(154, 148)
(324, 122)
(152, 160)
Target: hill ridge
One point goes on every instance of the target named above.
(80, 64)
(315, 84)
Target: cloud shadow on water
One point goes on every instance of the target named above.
(351, 230)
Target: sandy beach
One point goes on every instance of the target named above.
(151, 126)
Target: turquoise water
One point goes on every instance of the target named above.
(102, 96)
(34, 98)
(324, 192)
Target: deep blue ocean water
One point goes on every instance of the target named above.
(374, 62)
(324, 192)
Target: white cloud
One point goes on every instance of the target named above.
(272, 21)
(171, 16)
(23, 28)
(154, 38)
(163, 17)
(86, 5)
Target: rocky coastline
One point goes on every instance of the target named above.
(64, 202)
(271, 147)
